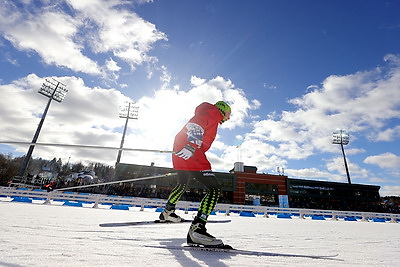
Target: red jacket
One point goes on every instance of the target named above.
(208, 117)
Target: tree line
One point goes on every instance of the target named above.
(10, 167)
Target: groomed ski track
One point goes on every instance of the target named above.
(37, 234)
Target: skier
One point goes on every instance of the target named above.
(50, 186)
(190, 161)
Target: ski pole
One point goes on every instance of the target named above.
(116, 182)
(86, 146)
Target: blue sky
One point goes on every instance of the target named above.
(293, 72)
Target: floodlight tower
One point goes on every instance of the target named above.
(54, 90)
(342, 137)
(128, 111)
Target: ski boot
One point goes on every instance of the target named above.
(198, 236)
(170, 216)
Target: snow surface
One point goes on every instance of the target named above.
(53, 235)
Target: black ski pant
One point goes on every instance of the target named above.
(208, 179)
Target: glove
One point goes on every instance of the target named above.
(186, 152)
(195, 134)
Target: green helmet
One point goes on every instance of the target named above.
(223, 107)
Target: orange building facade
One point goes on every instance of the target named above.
(244, 179)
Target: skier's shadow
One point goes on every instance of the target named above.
(209, 258)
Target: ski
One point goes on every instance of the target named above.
(227, 249)
(120, 224)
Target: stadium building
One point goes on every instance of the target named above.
(243, 185)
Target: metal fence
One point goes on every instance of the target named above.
(94, 200)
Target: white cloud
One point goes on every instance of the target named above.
(388, 190)
(196, 81)
(386, 135)
(67, 39)
(336, 165)
(120, 31)
(165, 78)
(110, 70)
(9, 58)
(254, 153)
(111, 65)
(50, 33)
(385, 160)
(315, 174)
(144, 1)
(270, 87)
(256, 104)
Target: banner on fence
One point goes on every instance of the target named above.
(283, 201)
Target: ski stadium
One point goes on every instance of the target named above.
(56, 228)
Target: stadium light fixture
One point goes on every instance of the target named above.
(341, 137)
(54, 90)
(128, 111)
